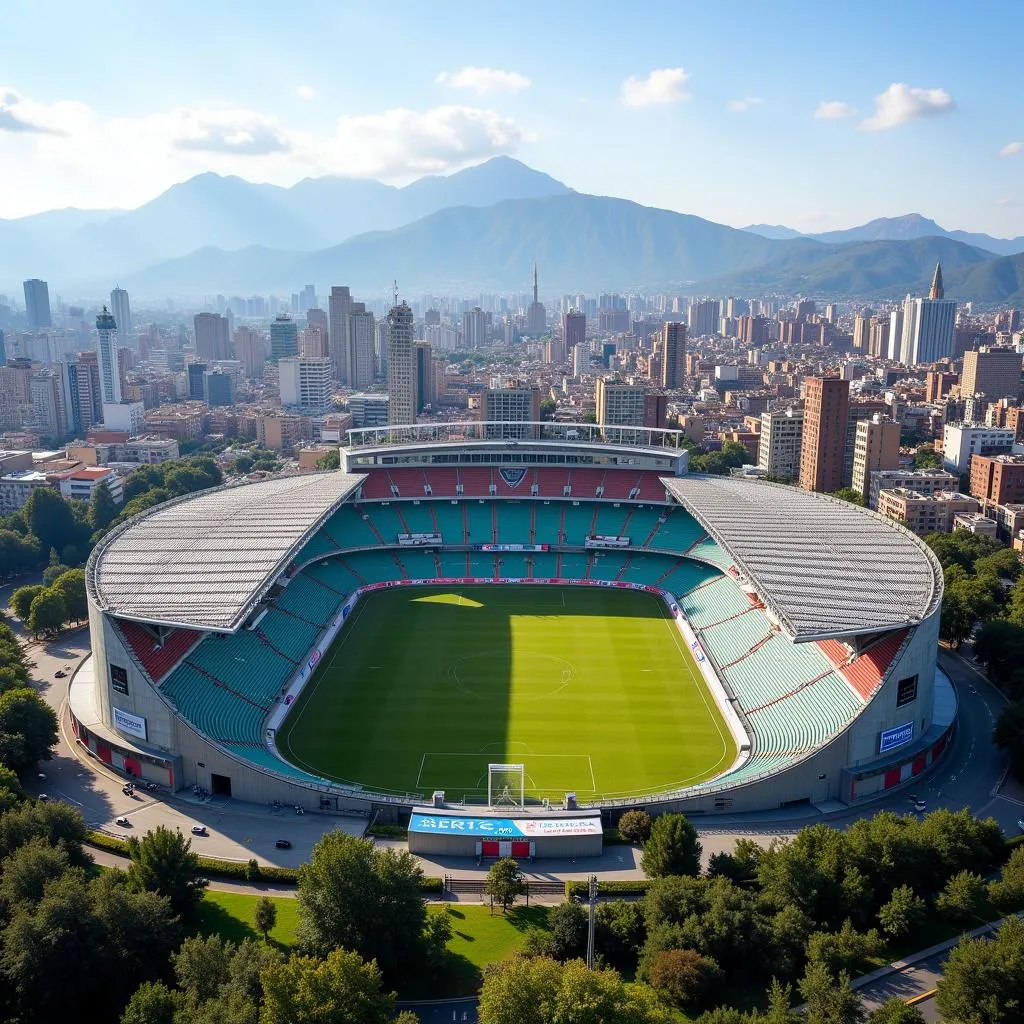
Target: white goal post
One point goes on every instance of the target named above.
(506, 784)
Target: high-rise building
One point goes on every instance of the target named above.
(251, 350)
(929, 325)
(536, 315)
(195, 374)
(781, 442)
(992, 373)
(673, 354)
(826, 410)
(313, 343)
(998, 479)
(574, 328)
(3, 348)
(37, 304)
(49, 415)
(362, 360)
(474, 328)
(284, 338)
(424, 360)
(106, 352)
(213, 337)
(339, 307)
(621, 404)
(306, 384)
(402, 400)
(510, 409)
(218, 388)
(877, 448)
(895, 344)
(702, 316)
(861, 328)
(962, 441)
(121, 309)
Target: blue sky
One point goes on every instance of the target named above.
(704, 108)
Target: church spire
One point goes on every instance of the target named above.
(534, 280)
(937, 291)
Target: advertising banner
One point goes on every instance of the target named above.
(133, 725)
(436, 824)
(898, 736)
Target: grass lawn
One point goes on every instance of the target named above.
(593, 690)
(479, 938)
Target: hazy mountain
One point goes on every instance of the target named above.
(891, 229)
(772, 231)
(875, 269)
(998, 281)
(578, 240)
(232, 213)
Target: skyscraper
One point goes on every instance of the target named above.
(574, 328)
(536, 315)
(121, 309)
(929, 325)
(401, 368)
(37, 304)
(339, 307)
(702, 316)
(284, 337)
(673, 354)
(993, 373)
(251, 349)
(106, 353)
(423, 357)
(474, 328)
(213, 338)
(361, 357)
(823, 445)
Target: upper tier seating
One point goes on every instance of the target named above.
(513, 521)
(476, 482)
(678, 533)
(158, 657)
(418, 518)
(480, 519)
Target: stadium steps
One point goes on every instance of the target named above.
(577, 523)
(686, 575)
(865, 672)
(606, 565)
(290, 637)
(611, 520)
(558, 566)
(158, 660)
(375, 485)
(552, 483)
(711, 552)
(654, 533)
(646, 569)
(417, 517)
(476, 481)
(585, 482)
(760, 643)
(373, 528)
(451, 523)
(533, 523)
(402, 519)
(494, 522)
(482, 566)
(624, 567)
(592, 529)
(418, 565)
(479, 522)
(348, 529)
(328, 576)
(386, 521)
(547, 522)
(465, 522)
(678, 532)
(433, 518)
(650, 488)
(403, 572)
(270, 643)
(304, 598)
(561, 524)
(347, 565)
(437, 566)
(318, 546)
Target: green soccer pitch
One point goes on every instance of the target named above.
(593, 690)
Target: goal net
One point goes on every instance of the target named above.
(506, 785)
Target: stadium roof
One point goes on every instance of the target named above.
(204, 560)
(824, 567)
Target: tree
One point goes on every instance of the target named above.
(436, 934)
(895, 1011)
(635, 826)
(829, 1000)
(850, 495)
(672, 849)
(1009, 890)
(683, 977)
(355, 896)
(926, 457)
(780, 1005)
(28, 729)
(956, 619)
(340, 989)
(1009, 735)
(504, 882)
(983, 981)
(22, 598)
(18, 553)
(48, 612)
(58, 823)
(103, 510)
(329, 460)
(547, 409)
(264, 916)
(151, 1003)
(846, 949)
(961, 896)
(619, 933)
(71, 586)
(567, 931)
(163, 862)
(1000, 647)
(51, 519)
(903, 914)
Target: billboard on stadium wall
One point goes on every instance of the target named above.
(898, 736)
(533, 828)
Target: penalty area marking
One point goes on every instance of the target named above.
(446, 754)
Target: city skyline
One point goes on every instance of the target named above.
(896, 132)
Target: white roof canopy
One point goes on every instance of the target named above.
(204, 560)
(824, 567)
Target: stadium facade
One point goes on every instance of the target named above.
(815, 623)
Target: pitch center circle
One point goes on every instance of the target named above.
(537, 676)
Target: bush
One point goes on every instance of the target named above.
(672, 849)
(634, 887)
(961, 897)
(683, 976)
(635, 826)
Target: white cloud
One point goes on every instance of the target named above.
(901, 104)
(82, 159)
(241, 132)
(831, 109)
(741, 106)
(1011, 149)
(665, 85)
(305, 92)
(402, 142)
(484, 80)
(1007, 202)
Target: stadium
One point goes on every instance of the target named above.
(571, 607)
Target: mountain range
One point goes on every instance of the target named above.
(481, 228)
(895, 229)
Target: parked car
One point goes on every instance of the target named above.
(283, 844)
(59, 674)
(919, 806)
(199, 830)
(123, 822)
(1020, 824)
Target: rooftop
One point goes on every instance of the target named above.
(204, 560)
(823, 567)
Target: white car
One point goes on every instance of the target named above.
(123, 822)
(199, 830)
(919, 806)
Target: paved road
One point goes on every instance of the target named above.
(911, 981)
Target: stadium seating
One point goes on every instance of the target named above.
(642, 520)
(453, 565)
(678, 533)
(418, 564)
(578, 519)
(611, 520)
(481, 565)
(551, 483)
(387, 521)
(418, 516)
(574, 566)
(606, 565)
(585, 482)
(544, 566)
(348, 528)
(480, 520)
(866, 672)
(476, 482)
(376, 485)
(158, 661)
(513, 521)
(441, 482)
(709, 550)
(513, 567)
(304, 598)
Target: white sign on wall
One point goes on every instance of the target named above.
(131, 724)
